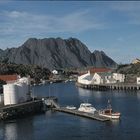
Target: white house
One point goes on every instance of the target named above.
(119, 77)
(55, 72)
(85, 78)
(101, 78)
(138, 80)
(97, 79)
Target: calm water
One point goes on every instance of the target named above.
(56, 125)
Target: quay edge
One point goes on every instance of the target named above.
(116, 86)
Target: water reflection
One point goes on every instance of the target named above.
(138, 94)
(84, 93)
(18, 130)
(113, 122)
(11, 131)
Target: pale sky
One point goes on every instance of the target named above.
(113, 27)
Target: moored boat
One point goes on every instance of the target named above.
(71, 107)
(86, 107)
(109, 113)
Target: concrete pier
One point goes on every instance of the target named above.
(20, 110)
(37, 105)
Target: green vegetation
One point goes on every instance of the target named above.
(35, 72)
(129, 69)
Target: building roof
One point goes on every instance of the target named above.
(7, 78)
(103, 74)
(99, 70)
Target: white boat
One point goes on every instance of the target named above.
(71, 107)
(66, 81)
(109, 113)
(87, 107)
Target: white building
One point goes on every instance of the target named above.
(138, 80)
(103, 78)
(16, 92)
(85, 79)
(100, 78)
(97, 79)
(135, 61)
(119, 77)
(55, 72)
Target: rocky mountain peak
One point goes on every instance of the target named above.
(57, 53)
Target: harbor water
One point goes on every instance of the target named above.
(56, 125)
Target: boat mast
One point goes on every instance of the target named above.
(109, 105)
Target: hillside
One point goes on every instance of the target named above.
(35, 72)
(57, 53)
(131, 71)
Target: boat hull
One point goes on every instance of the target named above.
(87, 111)
(111, 116)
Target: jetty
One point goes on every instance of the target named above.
(94, 116)
(42, 105)
(56, 107)
(21, 109)
(116, 86)
(34, 106)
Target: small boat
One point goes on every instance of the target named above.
(86, 107)
(109, 113)
(71, 107)
(66, 81)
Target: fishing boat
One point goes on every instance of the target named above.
(109, 113)
(86, 107)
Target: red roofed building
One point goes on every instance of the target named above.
(9, 78)
(99, 70)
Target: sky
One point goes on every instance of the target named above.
(110, 26)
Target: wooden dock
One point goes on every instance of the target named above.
(55, 106)
(116, 86)
(94, 116)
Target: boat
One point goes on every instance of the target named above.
(109, 113)
(86, 107)
(66, 81)
(71, 107)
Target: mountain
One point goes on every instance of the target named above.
(57, 53)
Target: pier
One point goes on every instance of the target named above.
(56, 107)
(21, 109)
(42, 105)
(34, 106)
(116, 86)
(94, 116)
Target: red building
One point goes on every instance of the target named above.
(9, 78)
(99, 70)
